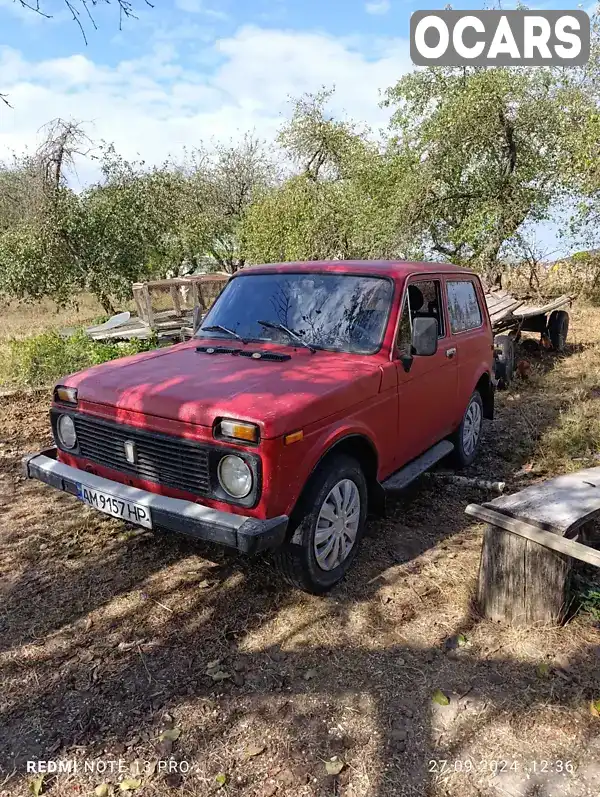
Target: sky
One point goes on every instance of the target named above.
(192, 71)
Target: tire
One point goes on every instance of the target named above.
(505, 360)
(297, 559)
(465, 447)
(558, 328)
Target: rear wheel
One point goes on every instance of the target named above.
(330, 522)
(467, 437)
(505, 359)
(558, 328)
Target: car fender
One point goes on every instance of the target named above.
(322, 445)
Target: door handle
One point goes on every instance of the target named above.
(450, 353)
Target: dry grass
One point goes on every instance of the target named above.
(106, 634)
(19, 319)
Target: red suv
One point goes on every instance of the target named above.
(308, 391)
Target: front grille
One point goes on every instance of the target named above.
(161, 459)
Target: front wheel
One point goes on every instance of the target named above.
(328, 527)
(467, 437)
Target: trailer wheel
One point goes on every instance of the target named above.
(558, 328)
(505, 360)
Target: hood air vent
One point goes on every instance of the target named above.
(265, 355)
(253, 355)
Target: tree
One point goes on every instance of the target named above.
(117, 231)
(82, 11)
(487, 149)
(33, 192)
(219, 186)
(101, 239)
(343, 201)
(134, 223)
(21, 191)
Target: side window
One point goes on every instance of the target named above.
(424, 299)
(463, 306)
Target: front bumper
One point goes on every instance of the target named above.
(248, 535)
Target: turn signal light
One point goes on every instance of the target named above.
(66, 394)
(293, 437)
(239, 430)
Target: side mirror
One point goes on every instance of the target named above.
(197, 318)
(424, 336)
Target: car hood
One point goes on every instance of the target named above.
(181, 383)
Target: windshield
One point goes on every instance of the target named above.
(341, 312)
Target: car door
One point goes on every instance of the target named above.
(467, 319)
(427, 385)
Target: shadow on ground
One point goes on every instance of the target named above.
(109, 636)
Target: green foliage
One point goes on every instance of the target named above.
(472, 159)
(489, 147)
(42, 359)
(219, 188)
(134, 223)
(590, 603)
(346, 201)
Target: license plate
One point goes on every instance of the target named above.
(117, 507)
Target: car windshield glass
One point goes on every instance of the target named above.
(341, 312)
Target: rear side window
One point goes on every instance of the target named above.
(463, 306)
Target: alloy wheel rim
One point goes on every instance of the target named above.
(471, 427)
(337, 525)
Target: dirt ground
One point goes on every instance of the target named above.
(160, 664)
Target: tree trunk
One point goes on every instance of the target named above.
(105, 301)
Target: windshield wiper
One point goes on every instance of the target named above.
(290, 332)
(221, 328)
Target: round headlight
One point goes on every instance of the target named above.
(235, 476)
(66, 431)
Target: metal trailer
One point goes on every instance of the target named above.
(510, 317)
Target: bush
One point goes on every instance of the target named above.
(42, 359)
(590, 603)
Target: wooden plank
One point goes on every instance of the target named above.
(139, 299)
(500, 304)
(531, 310)
(174, 324)
(498, 315)
(508, 305)
(407, 474)
(535, 534)
(496, 294)
(194, 295)
(178, 281)
(563, 503)
(492, 303)
(176, 298)
(148, 314)
(520, 582)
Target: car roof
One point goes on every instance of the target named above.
(383, 268)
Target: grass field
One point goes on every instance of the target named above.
(110, 636)
(19, 320)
